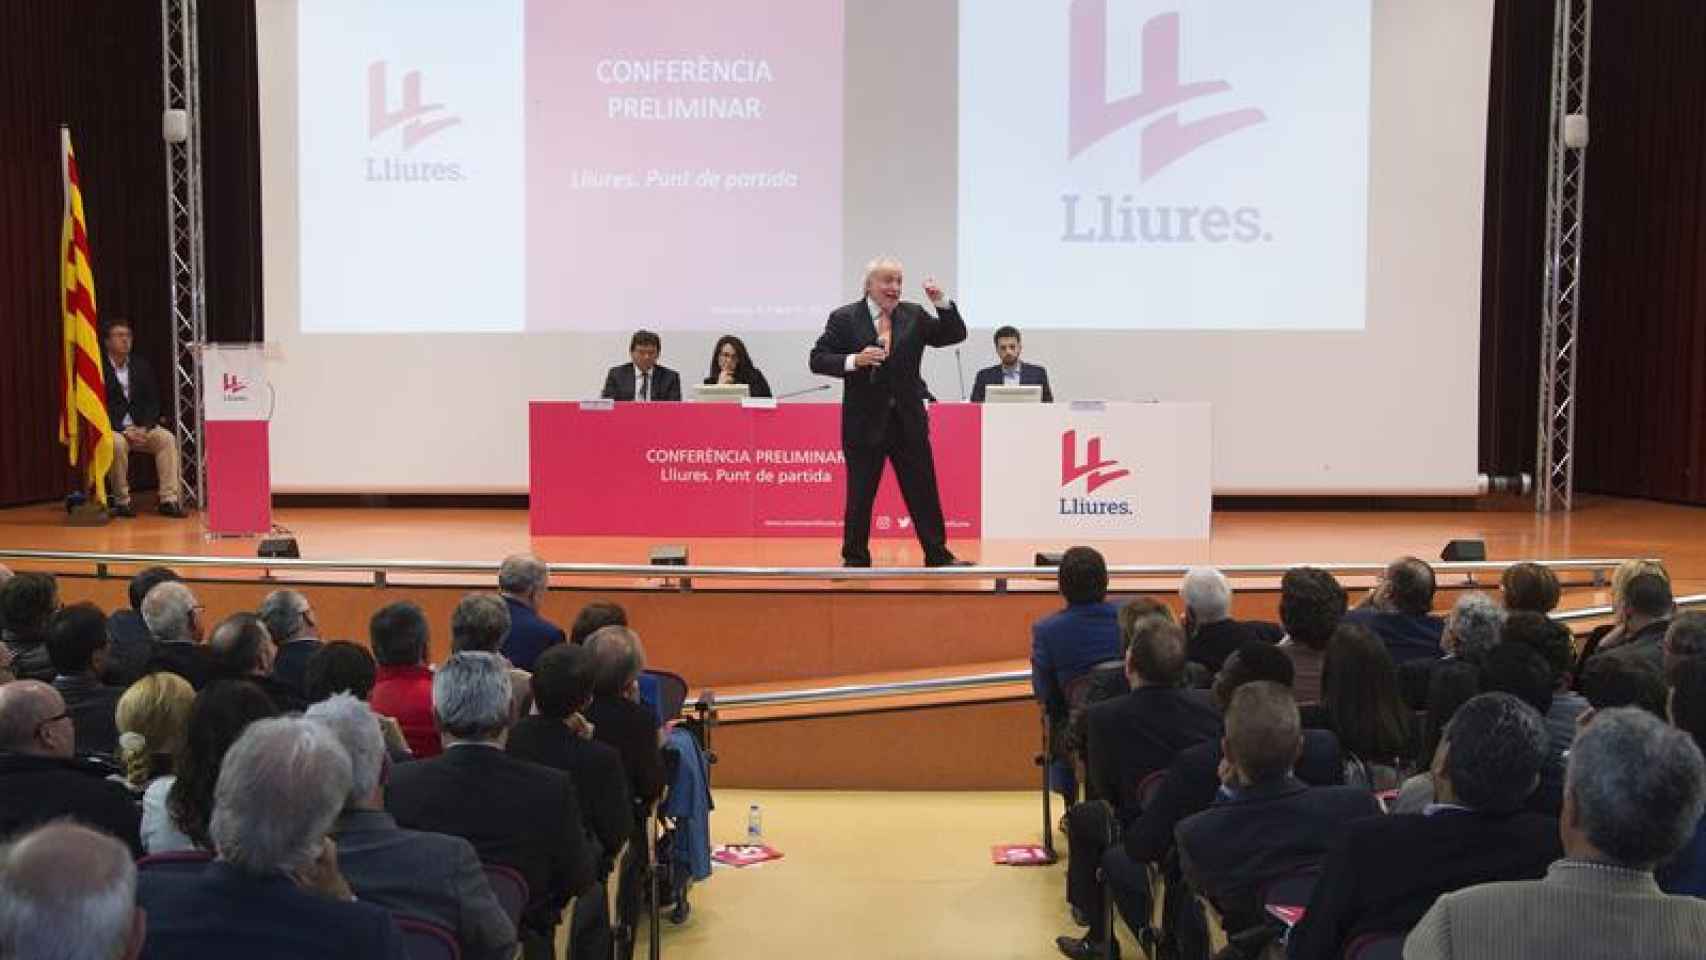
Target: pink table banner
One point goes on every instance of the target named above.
(722, 470)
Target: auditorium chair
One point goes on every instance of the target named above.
(510, 887)
(176, 861)
(1376, 946)
(427, 941)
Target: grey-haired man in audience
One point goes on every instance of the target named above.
(69, 891)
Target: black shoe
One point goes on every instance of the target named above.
(1084, 948)
(856, 564)
(946, 560)
(171, 508)
(120, 510)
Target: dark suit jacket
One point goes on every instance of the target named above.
(619, 384)
(221, 911)
(290, 667)
(1030, 375)
(529, 634)
(1211, 643)
(1140, 733)
(192, 661)
(428, 876)
(132, 647)
(869, 393)
(1193, 778)
(34, 790)
(632, 729)
(757, 386)
(142, 402)
(1065, 645)
(1385, 872)
(1263, 833)
(91, 704)
(1406, 637)
(515, 813)
(606, 809)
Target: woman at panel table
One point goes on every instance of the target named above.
(731, 364)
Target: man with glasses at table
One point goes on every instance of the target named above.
(40, 778)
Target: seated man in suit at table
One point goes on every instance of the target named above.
(643, 379)
(133, 406)
(1010, 372)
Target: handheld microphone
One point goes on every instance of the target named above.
(962, 366)
(802, 391)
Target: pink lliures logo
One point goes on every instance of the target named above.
(1071, 469)
(1165, 139)
(380, 116)
(231, 385)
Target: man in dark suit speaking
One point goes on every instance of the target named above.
(1010, 372)
(643, 379)
(875, 346)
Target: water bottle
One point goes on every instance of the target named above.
(754, 825)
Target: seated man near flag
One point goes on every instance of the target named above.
(133, 405)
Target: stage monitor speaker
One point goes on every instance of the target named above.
(1049, 559)
(669, 555)
(279, 548)
(1464, 550)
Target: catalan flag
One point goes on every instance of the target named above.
(83, 424)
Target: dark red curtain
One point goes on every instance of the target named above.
(95, 65)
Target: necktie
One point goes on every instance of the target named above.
(645, 386)
(885, 327)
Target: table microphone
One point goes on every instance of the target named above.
(962, 366)
(803, 390)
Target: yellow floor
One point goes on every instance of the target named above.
(877, 875)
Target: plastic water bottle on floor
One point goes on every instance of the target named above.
(754, 825)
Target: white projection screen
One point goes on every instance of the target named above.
(1275, 208)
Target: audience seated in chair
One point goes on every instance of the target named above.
(77, 644)
(1634, 792)
(1129, 738)
(294, 627)
(274, 889)
(1515, 668)
(1643, 611)
(515, 813)
(1400, 611)
(428, 876)
(1472, 628)
(153, 719)
(1311, 605)
(1553, 642)
(174, 617)
(1453, 685)
(1361, 705)
(1265, 823)
(132, 644)
(1609, 682)
(617, 716)
(1385, 872)
(1685, 639)
(398, 634)
(1211, 635)
(481, 622)
(243, 650)
(344, 667)
(27, 603)
(523, 580)
(1685, 873)
(69, 891)
(596, 615)
(176, 809)
(41, 780)
(1529, 587)
(1065, 646)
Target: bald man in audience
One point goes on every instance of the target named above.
(41, 779)
(69, 891)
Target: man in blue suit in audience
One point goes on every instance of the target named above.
(523, 579)
(1399, 612)
(1010, 372)
(1066, 645)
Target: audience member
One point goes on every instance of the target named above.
(1360, 703)
(41, 779)
(1472, 628)
(1211, 635)
(274, 890)
(176, 810)
(1453, 685)
(153, 718)
(69, 892)
(1529, 587)
(1623, 682)
(340, 667)
(594, 616)
(562, 687)
(174, 617)
(398, 635)
(27, 603)
(1553, 642)
(1685, 639)
(1474, 831)
(291, 621)
(1685, 873)
(77, 644)
(515, 813)
(1311, 605)
(132, 643)
(616, 714)
(1643, 613)
(523, 580)
(1399, 611)
(1065, 647)
(243, 650)
(1130, 737)
(1516, 668)
(1634, 792)
(1265, 824)
(428, 876)
(480, 622)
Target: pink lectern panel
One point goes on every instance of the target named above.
(721, 470)
(239, 477)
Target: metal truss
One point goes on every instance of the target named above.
(181, 75)
(1566, 183)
